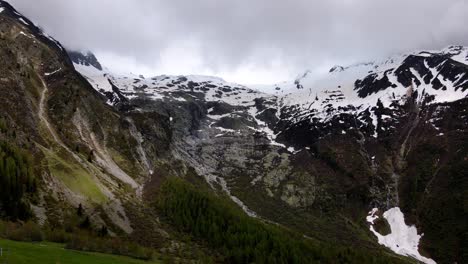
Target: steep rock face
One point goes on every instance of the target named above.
(86, 59)
(84, 151)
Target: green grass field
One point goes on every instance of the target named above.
(52, 253)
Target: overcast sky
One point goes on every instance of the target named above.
(247, 41)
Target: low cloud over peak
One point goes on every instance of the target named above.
(247, 41)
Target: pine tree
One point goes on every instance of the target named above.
(86, 224)
(79, 211)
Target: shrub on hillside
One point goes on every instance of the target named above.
(57, 235)
(116, 246)
(79, 240)
(29, 232)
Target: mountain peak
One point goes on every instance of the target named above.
(337, 68)
(9, 11)
(85, 58)
(454, 49)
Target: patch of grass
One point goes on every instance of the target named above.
(125, 163)
(74, 177)
(45, 252)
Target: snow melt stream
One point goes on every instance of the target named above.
(403, 239)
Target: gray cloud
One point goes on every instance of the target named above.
(276, 37)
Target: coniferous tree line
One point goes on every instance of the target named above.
(16, 181)
(242, 239)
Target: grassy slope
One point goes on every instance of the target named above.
(74, 177)
(44, 252)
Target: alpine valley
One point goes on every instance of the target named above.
(366, 164)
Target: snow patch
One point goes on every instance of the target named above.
(218, 117)
(51, 73)
(263, 128)
(24, 34)
(23, 21)
(371, 216)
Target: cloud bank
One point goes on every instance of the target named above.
(247, 41)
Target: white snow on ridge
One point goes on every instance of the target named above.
(322, 98)
(160, 87)
(23, 21)
(335, 89)
(403, 239)
(340, 75)
(343, 79)
(95, 77)
(26, 35)
(458, 53)
(2, 9)
(51, 73)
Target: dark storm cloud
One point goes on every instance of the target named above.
(222, 35)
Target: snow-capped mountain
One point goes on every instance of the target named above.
(438, 74)
(123, 89)
(431, 76)
(389, 67)
(164, 87)
(441, 74)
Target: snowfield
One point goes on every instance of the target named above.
(403, 239)
(329, 95)
(441, 76)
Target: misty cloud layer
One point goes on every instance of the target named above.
(255, 40)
